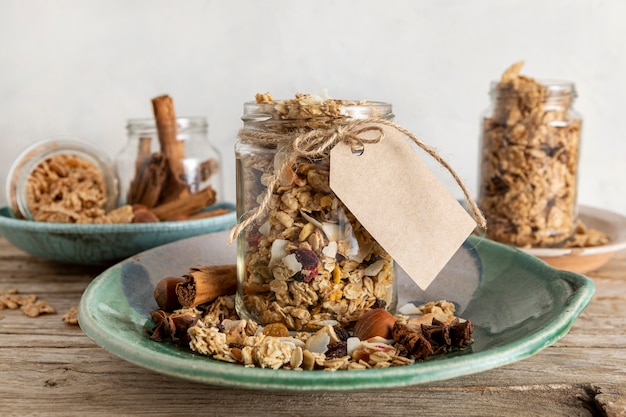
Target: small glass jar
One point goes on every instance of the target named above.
(62, 180)
(529, 163)
(306, 261)
(136, 162)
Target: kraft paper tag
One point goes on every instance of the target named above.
(401, 203)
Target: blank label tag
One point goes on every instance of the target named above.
(401, 203)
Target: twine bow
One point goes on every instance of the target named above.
(318, 142)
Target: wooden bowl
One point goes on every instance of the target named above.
(583, 260)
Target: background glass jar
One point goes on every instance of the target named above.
(137, 163)
(62, 180)
(306, 261)
(529, 163)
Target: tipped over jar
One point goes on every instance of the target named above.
(305, 261)
(529, 161)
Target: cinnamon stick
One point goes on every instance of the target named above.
(186, 205)
(173, 149)
(205, 283)
(212, 213)
(208, 168)
(138, 185)
(146, 189)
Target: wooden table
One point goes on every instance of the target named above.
(48, 367)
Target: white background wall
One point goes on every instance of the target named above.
(83, 67)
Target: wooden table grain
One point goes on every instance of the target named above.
(50, 368)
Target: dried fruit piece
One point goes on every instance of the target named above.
(337, 350)
(310, 263)
(276, 329)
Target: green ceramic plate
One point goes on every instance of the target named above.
(103, 244)
(518, 304)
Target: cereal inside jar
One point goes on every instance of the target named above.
(305, 260)
(64, 180)
(529, 161)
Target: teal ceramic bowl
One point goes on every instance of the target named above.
(519, 305)
(103, 244)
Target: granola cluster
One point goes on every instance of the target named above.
(308, 259)
(219, 333)
(586, 237)
(67, 188)
(529, 158)
(30, 304)
(306, 111)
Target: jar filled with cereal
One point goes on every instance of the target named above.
(303, 259)
(529, 161)
(62, 180)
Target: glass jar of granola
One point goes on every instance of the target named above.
(148, 161)
(305, 261)
(62, 180)
(529, 161)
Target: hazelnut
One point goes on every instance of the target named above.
(144, 216)
(165, 293)
(377, 322)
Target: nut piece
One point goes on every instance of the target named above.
(144, 216)
(165, 293)
(374, 323)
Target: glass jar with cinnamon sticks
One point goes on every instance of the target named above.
(169, 159)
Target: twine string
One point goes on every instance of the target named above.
(317, 143)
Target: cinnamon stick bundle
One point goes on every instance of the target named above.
(205, 283)
(173, 149)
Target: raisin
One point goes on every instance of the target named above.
(337, 350)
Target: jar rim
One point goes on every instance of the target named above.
(185, 122)
(554, 88)
(259, 112)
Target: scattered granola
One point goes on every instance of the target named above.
(586, 237)
(71, 316)
(217, 331)
(529, 159)
(308, 260)
(30, 305)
